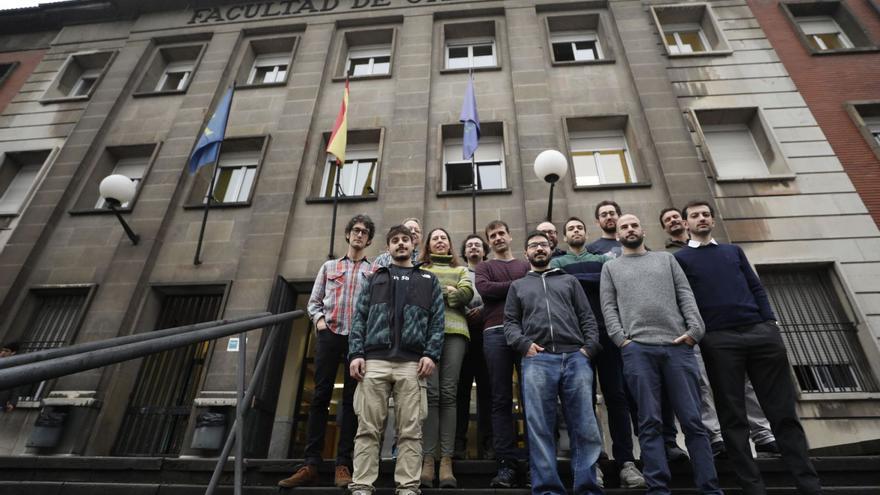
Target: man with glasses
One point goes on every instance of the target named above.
(550, 231)
(331, 308)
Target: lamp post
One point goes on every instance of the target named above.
(117, 190)
(550, 166)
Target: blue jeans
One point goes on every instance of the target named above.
(649, 370)
(568, 377)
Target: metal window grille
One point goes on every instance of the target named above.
(160, 404)
(822, 341)
(53, 323)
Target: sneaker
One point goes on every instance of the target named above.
(305, 475)
(674, 453)
(719, 451)
(631, 477)
(361, 492)
(342, 478)
(768, 449)
(506, 478)
(600, 478)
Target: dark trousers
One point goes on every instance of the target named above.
(757, 351)
(331, 351)
(648, 368)
(609, 367)
(501, 361)
(474, 369)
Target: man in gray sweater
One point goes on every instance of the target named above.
(548, 319)
(651, 314)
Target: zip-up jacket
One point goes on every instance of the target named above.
(550, 309)
(421, 331)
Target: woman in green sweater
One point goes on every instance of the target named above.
(439, 258)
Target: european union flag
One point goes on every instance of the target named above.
(471, 121)
(208, 147)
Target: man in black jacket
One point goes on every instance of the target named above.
(548, 319)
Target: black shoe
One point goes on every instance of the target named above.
(768, 449)
(675, 454)
(603, 456)
(719, 451)
(506, 478)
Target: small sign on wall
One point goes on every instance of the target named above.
(232, 344)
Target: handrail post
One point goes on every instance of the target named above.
(239, 413)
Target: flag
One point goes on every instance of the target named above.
(339, 137)
(470, 119)
(208, 147)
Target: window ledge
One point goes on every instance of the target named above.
(620, 185)
(465, 70)
(361, 78)
(159, 93)
(97, 211)
(28, 404)
(601, 61)
(201, 206)
(261, 85)
(467, 192)
(711, 53)
(64, 99)
(837, 396)
(342, 199)
(844, 51)
(760, 178)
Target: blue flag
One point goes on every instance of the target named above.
(470, 119)
(208, 147)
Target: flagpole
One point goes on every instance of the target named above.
(336, 190)
(210, 194)
(474, 195)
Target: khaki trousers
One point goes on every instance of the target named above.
(382, 380)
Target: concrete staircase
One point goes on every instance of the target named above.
(36, 475)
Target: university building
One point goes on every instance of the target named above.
(654, 103)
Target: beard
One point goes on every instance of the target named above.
(676, 231)
(610, 228)
(634, 243)
(401, 255)
(577, 243)
(539, 263)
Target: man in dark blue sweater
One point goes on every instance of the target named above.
(742, 338)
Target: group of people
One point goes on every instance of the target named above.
(668, 336)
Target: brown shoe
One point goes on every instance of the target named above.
(305, 475)
(427, 478)
(447, 479)
(342, 478)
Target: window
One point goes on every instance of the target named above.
(576, 39)
(78, 76)
(360, 172)
(690, 29)
(827, 27)
(134, 169)
(236, 173)
(738, 144)
(366, 54)
(458, 173)
(469, 45)
(18, 174)
(6, 70)
(866, 116)
(132, 161)
(601, 157)
(49, 319)
(171, 69)
(818, 328)
(266, 61)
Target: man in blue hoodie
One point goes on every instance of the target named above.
(547, 319)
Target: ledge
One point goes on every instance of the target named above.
(713, 53)
(342, 199)
(160, 93)
(467, 192)
(262, 85)
(201, 206)
(465, 70)
(601, 61)
(760, 178)
(361, 78)
(65, 99)
(632, 185)
(844, 51)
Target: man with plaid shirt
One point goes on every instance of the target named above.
(331, 308)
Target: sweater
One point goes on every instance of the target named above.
(457, 300)
(607, 247)
(550, 309)
(493, 281)
(587, 269)
(646, 298)
(726, 288)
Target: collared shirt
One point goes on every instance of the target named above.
(675, 243)
(334, 296)
(696, 244)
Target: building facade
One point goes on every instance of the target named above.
(653, 103)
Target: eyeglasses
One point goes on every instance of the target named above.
(359, 231)
(549, 232)
(536, 245)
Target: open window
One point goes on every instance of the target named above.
(366, 54)
(19, 172)
(603, 151)
(79, 76)
(458, 173)
(171, 69)
(236, 173)
(739, 145)
(690, 29)
(577, 39)
(827, 27)
(470, 45)
(359, 175)
(267, 61)
(132, 161)
(866, 116)
(6, 70)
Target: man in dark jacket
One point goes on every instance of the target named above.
(548, 319)
(395, 343)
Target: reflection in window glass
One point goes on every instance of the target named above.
(601, 157)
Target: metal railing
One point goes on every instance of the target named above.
(53, 363)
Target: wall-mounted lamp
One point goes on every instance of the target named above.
(118, 190)
(550, 166)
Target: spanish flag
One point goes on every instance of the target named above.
(338, 139)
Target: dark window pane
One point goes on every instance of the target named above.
(458, 176)
(562, 52)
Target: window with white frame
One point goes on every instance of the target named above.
(175, 76)
(573, 46)
(470, 53)
(734, 150)
(18, 174)
(235, 175)
(171, 69)
(269, 68)
(823, 33)
(690, 29)
(601, 157)
(85, 83)
(79, 75)
(873, 126)
(368, 61)
(458, 173)
(685, 38)
(357, 176)
(132, 167)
